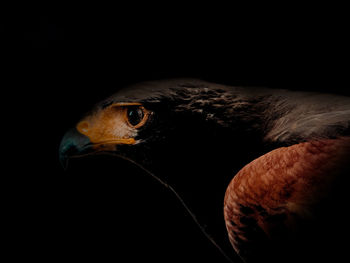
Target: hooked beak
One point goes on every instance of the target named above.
(78, 142)
(73, 144)
(102, 131)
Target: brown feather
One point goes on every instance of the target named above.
(269, 200)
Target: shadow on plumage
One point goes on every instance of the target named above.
(280, 156)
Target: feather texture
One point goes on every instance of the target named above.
(271, 197)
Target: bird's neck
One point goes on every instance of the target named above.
(240, 113)
(269, 116)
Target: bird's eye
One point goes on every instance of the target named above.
(135, 115)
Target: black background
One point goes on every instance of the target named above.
(64, 61)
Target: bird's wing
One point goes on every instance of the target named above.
(268, 199)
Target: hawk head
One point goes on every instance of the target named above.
(166, 125)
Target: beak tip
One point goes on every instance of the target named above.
(64, 161)
(72, 143)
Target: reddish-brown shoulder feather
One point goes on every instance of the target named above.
(272, 196)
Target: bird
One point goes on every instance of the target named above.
(267, 168)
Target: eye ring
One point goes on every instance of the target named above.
(136, 116)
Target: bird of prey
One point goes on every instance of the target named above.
(269, 168)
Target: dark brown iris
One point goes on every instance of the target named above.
(135, 115)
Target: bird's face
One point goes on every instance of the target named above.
(107, 129)
(117, 124)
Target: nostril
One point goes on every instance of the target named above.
(83, 127)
